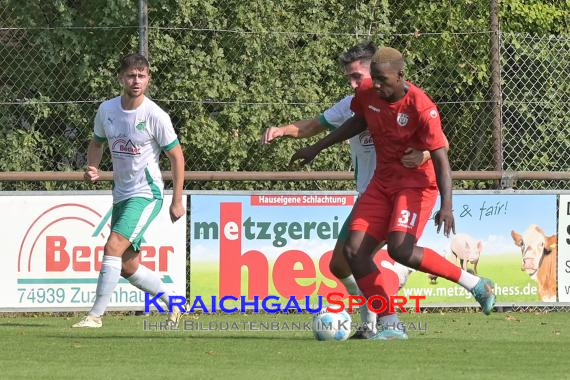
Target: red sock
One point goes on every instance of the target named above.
(436, 264)
(372, 285)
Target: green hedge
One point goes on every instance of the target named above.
(225, 70)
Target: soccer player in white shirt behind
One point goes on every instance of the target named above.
(136, 131)
(356, 65)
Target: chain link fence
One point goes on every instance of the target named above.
(224, 75)
(536, 108)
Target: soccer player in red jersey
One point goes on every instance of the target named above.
(356, 66)
(398, 201)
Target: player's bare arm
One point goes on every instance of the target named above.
(299, 129)
(444, 216)
(350, 128)
(413, 158)
(94, 155)
(176, 158)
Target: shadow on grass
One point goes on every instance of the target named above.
(13, 324)
(181, 336)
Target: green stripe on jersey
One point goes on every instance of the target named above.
(99, 138)
(325, 122)
(156, 193)
(171, 145)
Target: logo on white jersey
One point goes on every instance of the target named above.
(125, 147)
(374, 108)
(365, 138)
(140, 126)
(402, 119)
(433, 114)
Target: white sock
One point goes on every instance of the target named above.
(148, 281)
(106, 283)
(351, 285)
(389, 321)
(366, 316)
(468, 280)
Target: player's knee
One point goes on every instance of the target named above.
(128, 268)
(113, 248)
(333, 266)
(350, 253)
(338, 266)
(397, 252)
(337, 256)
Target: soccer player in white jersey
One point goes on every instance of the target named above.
(136, 131)
(356, 65)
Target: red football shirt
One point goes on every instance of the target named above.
(412, 121)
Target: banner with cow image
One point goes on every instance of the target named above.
(564, 249)
(281, 244)
(508, 237)
(53, 247)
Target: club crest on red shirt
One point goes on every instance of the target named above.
(402, 119)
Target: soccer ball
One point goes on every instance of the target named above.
(331, 326)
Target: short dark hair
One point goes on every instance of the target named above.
(390, 56)
(133, 60)
(361, 52)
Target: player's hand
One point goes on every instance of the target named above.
(413, 158)
(305, 155)
(444, 217)
(270, 134)
(176, 211)
(91, 174)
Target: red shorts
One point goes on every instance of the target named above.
(380, 211)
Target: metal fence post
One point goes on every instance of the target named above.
(496, 100)
(143, 28)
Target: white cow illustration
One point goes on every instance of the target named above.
(467, 249)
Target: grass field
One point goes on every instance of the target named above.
(453, 346)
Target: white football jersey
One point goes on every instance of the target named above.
(362, 149)
(136, 139)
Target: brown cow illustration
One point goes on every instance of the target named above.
(539, 256)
